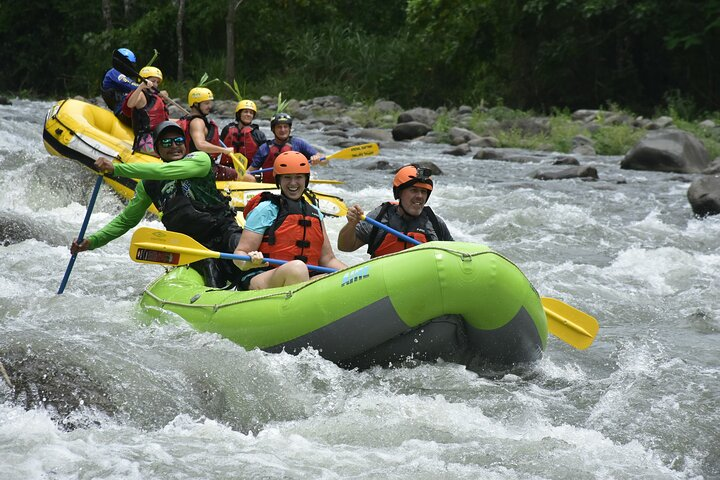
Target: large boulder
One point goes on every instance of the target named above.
(667, 151)
(379, 134)
(704, 195)
(418, 114)
(409, 130)
(585, 171)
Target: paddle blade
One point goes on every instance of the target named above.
(356, 151)
(239, 162)
(327, 182)
(569, 324)
(149, 245)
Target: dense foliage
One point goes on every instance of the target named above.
(529, 54)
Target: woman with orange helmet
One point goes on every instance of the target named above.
(287, 227)
(412, 187)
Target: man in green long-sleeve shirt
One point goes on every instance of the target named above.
(183, 189)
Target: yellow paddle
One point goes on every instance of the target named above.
(239, 162)
(150, 245)
(572, 326)
(356, 151)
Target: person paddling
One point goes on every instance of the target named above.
(182, 188)
(281, 126)
(202, 134)
(146, 106)
(285, 227)
(409, 215)
(116, 86)
(244, 136)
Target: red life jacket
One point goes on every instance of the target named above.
(275, 150)
(144, 120)
(296, 233)
(213, 135)
(387, 243)
(242, 141)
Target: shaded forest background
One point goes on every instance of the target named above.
(539, 55)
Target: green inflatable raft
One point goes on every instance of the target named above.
(459, 302)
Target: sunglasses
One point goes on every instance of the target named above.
(167, 142)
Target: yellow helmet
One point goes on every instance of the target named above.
(199, 94)
(147, 72)
(246, 104)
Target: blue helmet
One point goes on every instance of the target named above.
(127, 54)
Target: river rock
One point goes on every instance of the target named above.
(5, 101)
(486, 141)
(572, 172)
(418, 114)
(714, 167)
(566, 160)
(409, 130)
(459, 151)
(379, 134)
(461, 135)
(704, 196)
(387, 106)
(667, 151)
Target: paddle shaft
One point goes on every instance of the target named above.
(400, 235)
(274, 261)
(88, 212)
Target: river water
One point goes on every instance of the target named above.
(104, 390)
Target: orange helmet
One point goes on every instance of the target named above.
(412, 176)
(290, 163)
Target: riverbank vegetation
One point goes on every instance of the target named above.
(542, 57)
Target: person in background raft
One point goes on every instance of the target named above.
(116, 86)
(412, 187)
(281, 125)
(147, 109)
(202, 133)
(242, 135)
(183, 189)
(285, 227)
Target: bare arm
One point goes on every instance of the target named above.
(248, 245)
(347, 240)
(198, 132)
(137, 98)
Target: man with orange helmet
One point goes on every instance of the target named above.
(286, 227)
(243, 135)
(281, 126)
(412, 187)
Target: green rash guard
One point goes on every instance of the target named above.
(194, 165)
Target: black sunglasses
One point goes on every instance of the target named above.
(166, 142)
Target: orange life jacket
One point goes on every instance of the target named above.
(296, 233)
